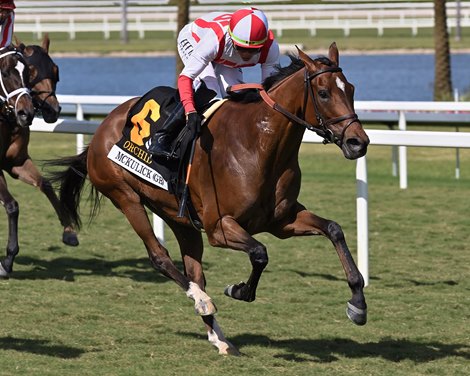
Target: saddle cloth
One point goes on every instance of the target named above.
(144, 119)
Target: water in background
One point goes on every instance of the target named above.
(376, 77)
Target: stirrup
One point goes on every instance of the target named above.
(161, 149)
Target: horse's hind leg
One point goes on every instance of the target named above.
(307, 223)
(12, 209)
(129, 202)
(191, 247)
(228, 233)
(28, 173)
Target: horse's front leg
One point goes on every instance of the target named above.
(192, 248)
(307, 223)
(12, 209)
(229, 234)
(28, 173)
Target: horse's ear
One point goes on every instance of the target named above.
(333, 53)
(46, 42)
(17, 42)
(303, 56)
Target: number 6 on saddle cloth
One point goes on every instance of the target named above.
(152, 112)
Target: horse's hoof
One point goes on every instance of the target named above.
(230, 350)
(229, 290)
(3, 273)
(70, 238)
(237, 292)
(205, 308)
(357, 315)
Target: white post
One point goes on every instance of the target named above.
(158, 228)
(394, 160)
(457, 150)
(80, 138)
(402, 154)
(362, 219)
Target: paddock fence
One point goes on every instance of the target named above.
(431, 113)
(106, 17)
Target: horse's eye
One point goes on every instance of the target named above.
(323, 94)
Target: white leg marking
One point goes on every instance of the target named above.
(217, 338)
(202, 302)
(340, 84)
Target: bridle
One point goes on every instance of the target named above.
(43, 72)
(322, 129)
(6, 109)
(327, 134)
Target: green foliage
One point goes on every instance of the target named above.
(100, 309)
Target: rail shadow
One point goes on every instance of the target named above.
(327, 277)
(40, 347)
(333, 349)
(329, 350)
(68, 268)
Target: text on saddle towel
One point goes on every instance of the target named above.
(131, 151)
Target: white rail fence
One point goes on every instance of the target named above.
(396, 138)
(105, 17)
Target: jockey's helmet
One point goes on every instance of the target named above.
(248, 28)
(7, 4)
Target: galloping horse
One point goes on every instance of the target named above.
(245, 179)
(14, 156)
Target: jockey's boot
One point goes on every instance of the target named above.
(161, 140)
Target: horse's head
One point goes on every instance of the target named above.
(44, 75)
(16, 104)
(332, 98)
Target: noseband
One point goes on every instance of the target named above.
(322, 129)
(8, 110)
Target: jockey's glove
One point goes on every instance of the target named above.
(194, 123)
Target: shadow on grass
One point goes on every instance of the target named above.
(68, 268)
(329, 350)
(333, 349)
(39, 347)
(328, 277)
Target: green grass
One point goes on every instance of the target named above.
(362, 40)
(100, 309)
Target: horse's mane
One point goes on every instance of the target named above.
(6, 63)
(249, 96)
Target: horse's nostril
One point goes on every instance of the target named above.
(353, 142)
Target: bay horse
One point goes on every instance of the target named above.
(245, 179)
(14, 155)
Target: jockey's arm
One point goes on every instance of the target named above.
(204, 53)
(272, 60)
(185, 88)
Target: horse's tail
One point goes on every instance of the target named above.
(70, 183)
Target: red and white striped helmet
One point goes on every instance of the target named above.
(248, 28)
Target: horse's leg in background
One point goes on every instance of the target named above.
(229, 234)
(28, 173)
(191, 247)
(12, 209)
(307, 223)
(128, 201)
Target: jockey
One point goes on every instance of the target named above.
(213, 49)
(7, 20)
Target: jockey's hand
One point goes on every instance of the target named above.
(194, 124)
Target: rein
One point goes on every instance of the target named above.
(323, 130)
